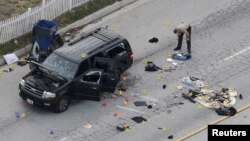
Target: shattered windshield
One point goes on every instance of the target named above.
(60, 65)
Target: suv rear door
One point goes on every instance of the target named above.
(110, 77)
(87, 85)
(122, 54)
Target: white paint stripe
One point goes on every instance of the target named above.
(130, 109)
(149, 98)
(238, 53)
(63, 139)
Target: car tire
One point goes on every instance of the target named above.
(62, 104)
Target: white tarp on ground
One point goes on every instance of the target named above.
(10, 58)
(213, 100)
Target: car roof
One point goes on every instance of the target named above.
(88, 44)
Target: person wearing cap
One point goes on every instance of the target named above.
(180, 30)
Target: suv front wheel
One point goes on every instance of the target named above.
(62, 104)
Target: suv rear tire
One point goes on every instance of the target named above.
(62, 104)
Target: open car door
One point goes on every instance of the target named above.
(87, 85)
(110, 76)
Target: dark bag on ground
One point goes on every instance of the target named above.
(226, 112)
(151, 67)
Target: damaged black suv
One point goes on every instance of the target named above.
(82, 69)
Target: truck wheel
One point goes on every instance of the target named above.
(62, 104)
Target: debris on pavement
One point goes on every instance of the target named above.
(22, 62)
(150, 107)
(8, 70)
(180, 103)
(164, 86)
(140, 103)
(17, 115)
(225, 98)
(120, 88)
(122, 128)
(135, 94)
(163, 129)
(115, 114)
(125, 101)
(179, 87)
(51, 132)
(104, 104)
(189, 97)
(186, 80)
(88, 125)
(139, 119)
(171, 137)
(170, 60)
(153, 40)
(226, 112)
(181, 56)
(10, 58)
(152, 67)
(240, 96)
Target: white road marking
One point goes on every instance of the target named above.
(130, 109)
(238, 53)
(63, 139)
(149, 98)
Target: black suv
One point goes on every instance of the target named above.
(82, 68)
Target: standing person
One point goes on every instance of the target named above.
(181, 29)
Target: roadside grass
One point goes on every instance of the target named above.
(62, 21)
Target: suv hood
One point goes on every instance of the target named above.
(44, 79)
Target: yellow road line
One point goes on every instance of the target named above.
(213, 122)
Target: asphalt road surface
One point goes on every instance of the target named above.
(220, 56)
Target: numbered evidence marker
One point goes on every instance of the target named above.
(165, 67)
(144, 91)
(113, 27)
(174, 85)
(22, 115)
(168, 23)
(84, 55)
(170, 55)
(124, 77)
(158, 77)
(145, 61)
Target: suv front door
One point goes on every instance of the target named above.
(87, 85)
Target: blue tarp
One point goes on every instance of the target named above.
(43, 33)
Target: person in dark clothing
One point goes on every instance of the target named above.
(180, 30)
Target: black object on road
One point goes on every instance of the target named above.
(151, 67)
(226, 112)
(150, 107)
(164, 86)
(170, 137)
(122, 128)
(181, 103)
(140, 103)
(139, 119)
(240, 96)
(153, 40)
